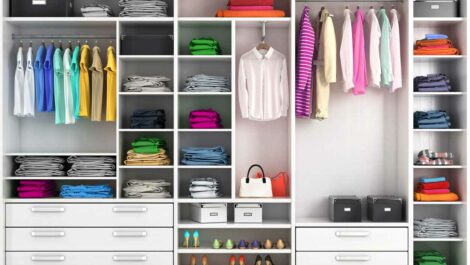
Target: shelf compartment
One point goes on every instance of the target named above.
(233, 251)
(193, 66)
(223, 258)
(428, 65)
(147, 38)
(126, 138)
(453, 30)
(130, 104)
(208, 8)
(146, 67)
(202, 139)
(222, 175)
(127, 174)
(440, 142)
(455, 252)
(219, 30)
(220, 104)
(454, 106)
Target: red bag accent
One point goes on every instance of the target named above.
(280, 185)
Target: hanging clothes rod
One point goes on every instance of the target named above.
(40, 36)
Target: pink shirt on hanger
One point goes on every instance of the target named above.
(359, 54)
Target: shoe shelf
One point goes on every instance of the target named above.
(270, 224)
(203, 250)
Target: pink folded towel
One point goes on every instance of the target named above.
(206, 125)
(36, 194)
(250, 8)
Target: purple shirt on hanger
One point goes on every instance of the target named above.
(39, 79)
(49, 78)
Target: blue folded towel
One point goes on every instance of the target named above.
(436, 36)
(431, 180)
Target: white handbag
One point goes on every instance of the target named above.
(255, 187)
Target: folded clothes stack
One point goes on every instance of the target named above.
(205, 119)
(147, 151)
(429, 257)
(432, 83)
(434, 119)
(206, 83)
(136, 83)
(143, 8)
(148, 119)
(40, 166)
(204, 188)
(204, 156)
(204, 46)
(435, 228)
(434, 189)
(435, 44)
(36, 189)
(92, 166)
(96, 10)
(86, 191)
(250, 8)
(427, 157)
(147, 189)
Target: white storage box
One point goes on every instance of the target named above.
(248, 213)
(209, 212)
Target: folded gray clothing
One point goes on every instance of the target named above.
(96, 14)
(204, 182)
(45, 159)
(435, 228)
(92, 159)
(206, 195)
(40, 166)
(124, 3)
(147, 189)
(207, 83)
(193, 188)
(143, 8)
(39, 173)
(91, 173)
(89, 166)
(147, 89)
(147, 195)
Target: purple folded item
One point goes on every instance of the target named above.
(36, 182)
(206, 125)
(34, 188)
(435, 89)
(204, 113)
(203, 119)
(36, 194)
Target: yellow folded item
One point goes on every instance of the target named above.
(436, 197)
(158, 159)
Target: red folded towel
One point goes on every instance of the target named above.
(250, 3)
(434, 185)
(436, 191)
(250, 8)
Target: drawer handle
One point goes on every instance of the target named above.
(48, 258)
(130, 209)
(48, 234)
(352, 258)
(129, 234)
(351, 234)
(130, 258)
(47, 209)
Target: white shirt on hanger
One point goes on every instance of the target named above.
(372, 36)
(69, 116)
(395, 51)
(263, 85)
(19, 84)
(346, 53)
(29, 91)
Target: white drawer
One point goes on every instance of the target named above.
(351, 258)
(89, 239)
(82, 258)
(352, 239)
(86, 215)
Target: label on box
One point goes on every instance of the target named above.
(39, 2)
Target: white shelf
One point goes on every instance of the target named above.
(61, 200)
(265, 225)
(143, 167)
(439, 167)
(438, 57)
(232, 251)
(236, 200)
(146, 57)
(205, 57)
(439, 130)
(241, 19)
(60, 178)
(23, 20)
(146, 93)
(424, 94)
(204, 93)
(146, 130)
(60, 154)
(325, 222)
(217, 200)
(205, 130)
(451, 239)
(437, 21)
(439, 203)
(205, 167)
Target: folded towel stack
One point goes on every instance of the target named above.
(206, 83)
(204, 188)
(143, 8)
(205, 119)
(432, 83)
(40, 166)
(204, 156)
(36, 189)
(147, 189)
(204, 46)
(96, 10)
(427, 157)
(92, 166)
(86, 191)
(434, 119)
(147, 151)
(434, 189)
(435, 228)
(429, 257)
(136, 83)
(250, 8)
(435, 44)
(148, 119)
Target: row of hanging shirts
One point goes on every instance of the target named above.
(369, 56)
(69, 82)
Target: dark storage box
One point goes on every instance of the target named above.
(41, 8)
(147, 44)
(436, 8)
(345, 209)
(384, 209)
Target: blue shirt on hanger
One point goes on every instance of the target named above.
(49, 78)
(39, 79)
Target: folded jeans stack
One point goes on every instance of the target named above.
(204, 188)
(204, 46)
(148, 119)
(435, 44)
(86, 191)
(147, 189)
(36, 189)
(206, 83)
(435, 228)
(434, 119)
(40, 166)
(143, 8)
(96, 10)
(434, 189)
(136, 83)
(432, 83)
(250, 8)
(204, 156)
(92, 166)
(147, 152)
(429, 257)
(427, 157)
(205, 119)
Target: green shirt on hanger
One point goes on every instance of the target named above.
(385, 56)
(59, 98)
(75, 70)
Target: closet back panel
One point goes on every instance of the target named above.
(355, 151)
(208, 8)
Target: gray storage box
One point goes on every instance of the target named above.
(384, 209)
(345, 209)
(41, 8)
(436, 8)
(209, 212)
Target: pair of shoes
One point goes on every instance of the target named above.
(267, 260)
(280, 244)
(193, 260)
(217, 244)
(187, 242)
(232, 260)
(268, 244)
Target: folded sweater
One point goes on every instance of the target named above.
(250, 13)
(436, 197)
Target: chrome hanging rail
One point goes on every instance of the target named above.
(60, 36)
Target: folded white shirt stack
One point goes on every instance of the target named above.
(147, 189)
(143, 8)
(40, 166)
(137, 83)
(207, 188)
(92, 166)
(96, 10)
(435, 228)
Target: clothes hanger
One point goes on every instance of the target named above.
(60, 45)
(263, 45)
(43, 43)
(70, 45)
(30, 44)
(20, 44)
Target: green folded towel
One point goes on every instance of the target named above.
(148, 145)
(204, 46)
(204, 41)
(204, 52)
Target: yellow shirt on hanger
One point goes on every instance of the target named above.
(85, 81)
(111, 85)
